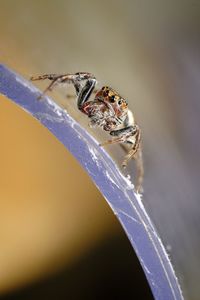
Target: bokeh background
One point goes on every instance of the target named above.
(53, 221)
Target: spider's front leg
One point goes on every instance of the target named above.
(75, 79)
(84, 92)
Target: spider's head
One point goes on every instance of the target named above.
(111, 97)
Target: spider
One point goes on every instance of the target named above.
(107, 110)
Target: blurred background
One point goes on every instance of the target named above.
(58, 236)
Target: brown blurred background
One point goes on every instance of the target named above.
(51, 215)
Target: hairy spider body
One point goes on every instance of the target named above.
(104, 110)
(107, 110)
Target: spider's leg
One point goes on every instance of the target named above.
(135, 146)
(140, 170)
(109, 142)
(45, 76)
(49, 88)
(76, 80)
(136, 153)
(130, 134)
(85, 92)
(121, 134)
(55, 79)
(69, 96)
(64, 77)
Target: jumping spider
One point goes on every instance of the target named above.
(107, 110)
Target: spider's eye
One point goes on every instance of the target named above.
(112, 99)
(120, 102)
